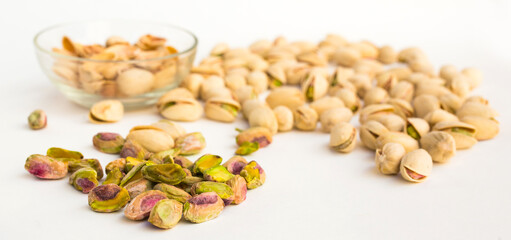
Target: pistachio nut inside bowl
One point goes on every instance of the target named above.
(132, 61)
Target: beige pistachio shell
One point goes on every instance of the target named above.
(175, 93)
(174, 129)
(217, 92)
(401, 73)
(210, 83)
(106, 111)
(222, 109)
(374, 109)
(389, 158)
(314, 87)
(366, 48)
(234, 81)
(263, 117)
(181, 109)
(486, 128)
(424, 104)
(193, 83)
(376, 95)
(343, 137)
(417, 126)
(135, 81)
(448, 72)
(349, 98)
(287, 96)
(478, 99)
(258, 80)
(463, 133)
(422, 66)
(313, 58)
(387, 55)
(362, 83)
(260, 47)
(440, 145)
(249, 105)
(460, 86)
(386, 80)
(151, 138)
(341, 75)
(305, 118)
(391, 121)
(403, 90)
(431, 89)
(326, 103)
(369, 67)
(297, 73)
(370, 131)
(416, 166)
(219, 49)
(165, 76)
(401, 107)
(284, 117)
(276, 76)
(474, 75)
(450, 102)
(329, 118)
(439, 115)
(408, 142)
(474, 108)
(245, 93)
(346, 56)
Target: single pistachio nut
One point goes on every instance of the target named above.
(173, 192)
(389, 158)
(247, 148)
(463, 133)
(276, 76)
(166, 156)
(245, 93)
(134, 150)
(151, 138)
(305, 118)
(284, 117)
(191, 143)
(346, 56)
(37, 120)
(440, 145)
(439, 115)
(416, 166)
(164, 173)
(135, 81)
(205, 162)
(140, 207)
(401, 107)
(183, 162)
(234, 81)
(375, 109)
(370, 131)
(362, 83)
(416, 127)
(460, 86)
(401, 73)
(424, 104)
(84, 179)
(404, 139)
(387, 55)
(114, 176)
(253, 174)
(349, 98)
(250, 105)
(134, 173)
(314, 87)
(131, 162)
(410, 54)
(203, 207)
(175, 130)
(476, 98)
(223, 190)
(474, 108)
(343, 137)
(108, 142)
(333, 116)
(260, 47)
(485, 128)
(181, 109)
(448, 72)
(221, 109)
(376, 95)
(263, 117)
(239, 188)
(138, 186)
(46, 167)
(369, 67)
(76, 164)
(287, 96)
(108, 198)
(106, 111)
(217, 174)
(341, 75)
(296, 73)
(166, 213)
(150, 42)
(261, 135)
(119, 163)
(55, 152)
(431, 89)
(402, 90)
(326, 103)
(235, 164)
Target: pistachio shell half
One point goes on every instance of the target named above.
(106, 111)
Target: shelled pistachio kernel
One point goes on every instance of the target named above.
(164, 173)
(416, 166)
(46, 167)
(253, 174)
(166, 156)
(203, 207)
(217, 174)
(55, 152)
(75, 164)
(108, 198)
(223, 190)
(247, 148)
(239, 188)
(138, 186)
(235, 164)
(133, 174)
(114, 176)
(343, 137)
(84, 179)
(440, 145)
(260, 135)
(389, 158)
(183, 162)
(37, 120)
(133, 149)
(108, 142)
(106, 111)
(205, 162)
(191, 143)
(416, 127)
(166, 213)
(140, 207)
(119, 163)
(172, 192)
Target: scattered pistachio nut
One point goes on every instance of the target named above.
(114, 176)
(37, 120)
(108, 142)
(485, 128)
(191, 143)
(223, 190)
(284, 117)
(76, 164)
(389, 158)
(84, 179)
(46, 167)
(305, 118)
(166, 213)
(151, 138)
(247, 148)
(138, 186)
(173, 192)
(416, 127)
(164, 173)
(264, 117)
(440, 145)
(253, 174)
(205, 162)
(416, 166)
(106, 111)
(343, 137)
(55, 152)
(235, 164)
(463, 133)
(261, 135)
(203, 207)
(404, 139)
(370, 131)
(239, 188)
(140, 207)
(217, 173)
(221, 109)
(108, 198)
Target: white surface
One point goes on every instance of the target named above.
(310, 192)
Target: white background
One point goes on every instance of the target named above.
(311, 192)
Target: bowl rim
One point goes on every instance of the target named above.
(73, 58)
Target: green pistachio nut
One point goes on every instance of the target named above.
(134, 150)
(253, 174)
(108, 198)
(261, 135)
(247, 148)
(84, 179)
(55, 152)
(191, 143)
(205, 162)
(171, 174)
(45, 167)
(37, 120)
(203, 207)
(183, 161)
(77, 164)
(132, 162)
(138, 186)
(188, 182)
(166, 213)
(239, 188)
(117, 163)
(172, 192)
(114, 176)
(140, 207)
(217, 174)
(235, 164)
(134, 174)
(412, 132)
(108, 142)
(166, 156)
(223, 190)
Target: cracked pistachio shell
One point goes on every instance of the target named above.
(55, 152)
(164, 173)
(174, 129)
(108, 142)
(133, 174)
(431, 89)
(362, 83)
(422, 66)
(235, 164)
(416, 127)
(219, 92)
(119, 163)
(76, 164)
(114, 176)
(410, 54)
(205, 162)
(173, 94)
(135, 81)
(305, 118)
(389, 158)
(140, 207)
(166, 213)
(349, 98)
(151, 138)
(203, 207)
(284, 117)
(485, 128)
(84, 179)
(439, 115)
(253, 174)
(37, 119)
(408, 142)
(370, 131)
(138, 186)
(193, 83)
(463, 133)
(296, 73)
(108, 198)
(290, 97)
(183, 162)
(387, 55)
(402, 90)
(341, 75)
(245, 93)
(191, 143)
(346, 56)
(416, 166)
(181, 109)
(217, 174)
(258, 80)
(250, 104)
(222, 109)
(239, 188)
(376, 95)
(116, 40)
(106, 111)
(314, 87)
(223, 190)
(150, 42)
(46, 167)
(474, 108)
(374, 109)
(401, 107)
(460, 86)
(276, 76)
(343, 137)
(256, 63)
(263, 117)
(440, 145)
(173, 192)
(234, 81)
(333, 116)
(326, 103)
(474, 76)
(134, 149)
(209, 83)
(424, 104)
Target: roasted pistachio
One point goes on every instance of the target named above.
(175, 130)
(341, 75)
(346, 56)
(474, 76)
(401, 107)
(416, 166)
(408, 142)
(37, 120)
(362, 83)
(220, 109)
(166, 156)
(223, 190)
(349, 98)
(250, 105)
(164, 173)
(133, 174)
(191, 143)
(45, 167)
(343, 137)
(375, 109)
(74, 165)
(106, 111)
(239, 188)
(424, 104)
(305, 118)
(416, 127)
(234, 81)
(183, 162)
(439, 115)
(387, 55)
(55, 152)
(402, 90)
(463, 133)
(370, 131)
(108, 142)
(108, 198)
(235, 164)
(181, 109)
(389, 158)
(326, 103)
(138, 186)
(217, 174)
(119, 163)
(205, 162)
(193, 83)
(247, 148)
(333, 116)
(276, 76)
(84, 179)
(474, 108)
(285, 96)
(140, 207)
(314, 87)
(203, 207)
(261, 135)
(151, 138)
(114, 176)
(253, 174)
(440, 145)
(166, 213)
(284, 118)
(173, 192)
(263, 117)
(486, 128)
(375, 95)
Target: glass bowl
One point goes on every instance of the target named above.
(86, 73)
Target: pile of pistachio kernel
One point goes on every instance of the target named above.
(117, 78)
(153, 179)
(411, 115)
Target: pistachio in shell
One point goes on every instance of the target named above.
(404, 139)
(391, 121)
(401, 107)
(440, 145)
(108, 198)
(217, 174)
(114, 176)
(223, 190)
(84, 179)
(424, 104)
(181, 109)
(134, 150)
(106, 111)
(55, 152)
(203, 207)
(135, 81)
(191, 143)
(305, 118)
(261, 135)
(172, 128)
(370, 131)
(389, 158)
(166, 213)
(376, 95)
(222, 109)
(37, 120)
(164, 173)
(286, 96)
(108, 142)
(46, 167)
(173, 192)
(151, 138)
(475, 108)
(264, 117)
(138, 186)
(330, 117)
(373, 110)
(239, 188)
(314, 87)
(93, 163)
(439, 115)
(416, 127)
(485, 128)
(326, 103)
(253, 174)
(276, 76)
(343, 137)
(463, 133)
(140, 207)
(416, 166)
